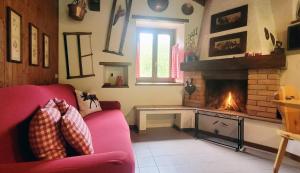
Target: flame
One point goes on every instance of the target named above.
(229, 101)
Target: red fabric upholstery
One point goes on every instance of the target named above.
(110, 134)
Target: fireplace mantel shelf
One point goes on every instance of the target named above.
(242, 63)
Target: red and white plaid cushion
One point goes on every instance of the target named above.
(76, 132)
(51, 104)
(62, 105)
(45, 138)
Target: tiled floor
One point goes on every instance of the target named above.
(187, 155)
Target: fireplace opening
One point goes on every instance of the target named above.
(226, 95)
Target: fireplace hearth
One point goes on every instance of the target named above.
(261, 73)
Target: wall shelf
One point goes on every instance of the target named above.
(114, 86)
(242, 63)
(115, 69)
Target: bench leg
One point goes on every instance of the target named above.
(280, 154)
(142, 121)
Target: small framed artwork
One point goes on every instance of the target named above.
(230, 19)
(33, 45)
(14, 36)
(46, 51)
(228, 44)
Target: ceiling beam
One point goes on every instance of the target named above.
(201, 2)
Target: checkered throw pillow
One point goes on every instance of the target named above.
(62, 105)
(45, 138)
(51, 104)
(76, 132)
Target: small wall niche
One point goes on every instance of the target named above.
(115, 74)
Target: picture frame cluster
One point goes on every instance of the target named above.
(15, 44)
(235, 43)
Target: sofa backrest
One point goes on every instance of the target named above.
(17, 105)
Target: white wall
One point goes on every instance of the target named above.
(97, 23)
(259, 16)
(276, 16)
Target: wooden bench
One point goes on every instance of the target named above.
(184, 116)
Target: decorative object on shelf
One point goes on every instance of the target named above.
(158, 5)
(33, 45)
(119, 81)
(110, 45)
(191, 46)
(94, 5)
(78, 53)
(201, 2)
(249, 54)
(111, 79)
(192, 38)
(46, 51)
(190, 88)
(120, 13)
(230, 19)
(112, 69)
(190, 56)
(278, 48)
(187, 9)
(228, 44)
(273, 39)
(77, 9)
(277, 44)
(267, 33)
(14, 36)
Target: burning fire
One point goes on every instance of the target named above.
(230, 103)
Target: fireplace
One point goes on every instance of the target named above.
(226, 95)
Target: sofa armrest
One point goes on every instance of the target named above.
(110, 105)
(105, 163)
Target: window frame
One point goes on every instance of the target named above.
(156, 32)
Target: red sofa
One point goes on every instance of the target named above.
(109, 129)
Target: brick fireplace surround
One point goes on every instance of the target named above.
(262, 84)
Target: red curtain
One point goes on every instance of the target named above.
(177, 59)
(137, 62)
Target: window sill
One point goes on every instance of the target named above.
(158, 84)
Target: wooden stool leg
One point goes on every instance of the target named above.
(280, 154)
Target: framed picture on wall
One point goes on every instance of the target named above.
(14, 36)
(46, 51)
(228, 44)
(33, 45)
(230, 19)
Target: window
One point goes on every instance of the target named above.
(154, 55)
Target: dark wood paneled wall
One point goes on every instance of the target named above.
(44, 15)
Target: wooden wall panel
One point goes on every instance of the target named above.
(44, 15)
(2, 33)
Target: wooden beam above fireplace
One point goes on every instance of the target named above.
(242, 63)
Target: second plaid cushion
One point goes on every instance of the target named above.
(76, 132)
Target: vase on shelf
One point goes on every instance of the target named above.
(119, 81)
(111, 79)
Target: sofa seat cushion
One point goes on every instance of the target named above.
(76, 132)
(110, 132)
